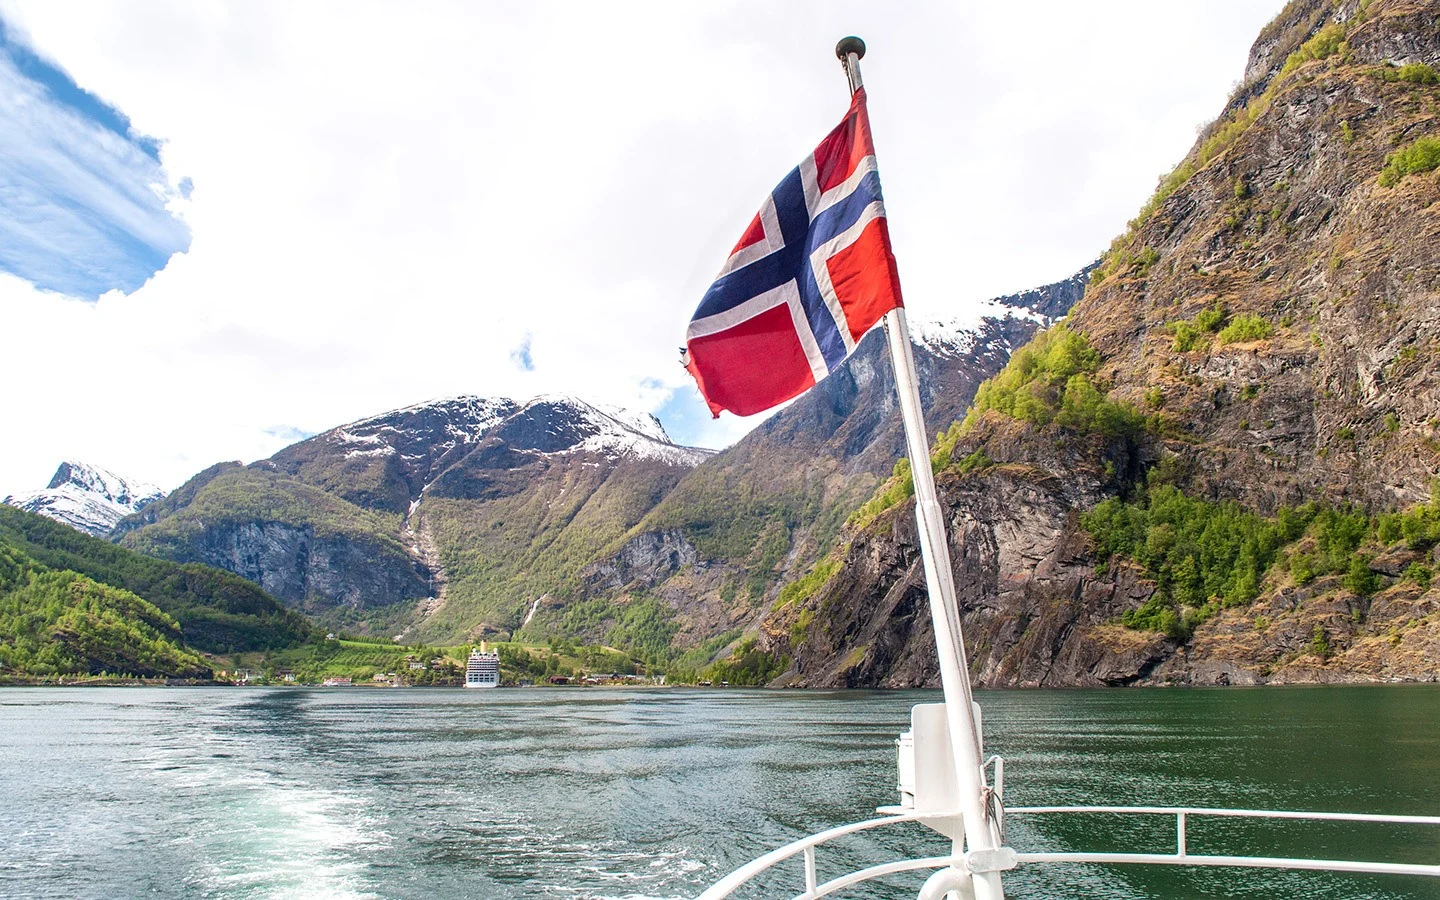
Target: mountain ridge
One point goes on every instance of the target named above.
(471, 516)
(716, 550)
(341, 524)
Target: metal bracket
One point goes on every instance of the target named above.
(1001, 859)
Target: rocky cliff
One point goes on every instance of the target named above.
(1258, 347)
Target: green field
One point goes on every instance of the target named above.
(361, 660)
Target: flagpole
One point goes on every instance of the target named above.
(981, 831)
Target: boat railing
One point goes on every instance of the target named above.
(806, 848)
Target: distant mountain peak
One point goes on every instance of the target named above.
(87, 497)
(571, 424)
(960, 335)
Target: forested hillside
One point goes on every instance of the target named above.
(57, 622)
(215, 611)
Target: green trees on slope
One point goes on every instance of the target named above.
(217, 611)
(57, 622)
(1204, 556)
(1421, 156)
(1201, 555)
(1052, 379)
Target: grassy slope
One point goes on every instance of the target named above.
(255, 495)
(502, 553)
(370, 480)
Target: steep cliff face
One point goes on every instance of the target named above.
(310, 548)
(316, 573)
(1289, 224)
(1274, 314)
(1035, 613)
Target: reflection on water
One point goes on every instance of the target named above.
(112, 792)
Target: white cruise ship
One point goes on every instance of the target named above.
(482, 670)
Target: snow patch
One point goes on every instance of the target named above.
(958, 336)
(616, 433)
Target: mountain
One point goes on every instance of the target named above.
(444, 518)
(713, 553)
(87, 498)
(1219, 468)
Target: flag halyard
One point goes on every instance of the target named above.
(812, 273)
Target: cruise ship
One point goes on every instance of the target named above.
(482, 670)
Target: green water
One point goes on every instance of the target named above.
(113, 792)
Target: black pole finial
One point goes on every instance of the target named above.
(848, 45)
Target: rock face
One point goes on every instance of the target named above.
(645, 560)
(315, 574)
(1277, 221)
(1035, 613)
(87, 498)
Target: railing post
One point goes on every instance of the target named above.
(1180, 834)
(810, 879)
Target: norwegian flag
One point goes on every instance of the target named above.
(811, 275)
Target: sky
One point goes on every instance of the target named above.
(226, 226)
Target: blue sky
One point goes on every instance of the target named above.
(84, 195)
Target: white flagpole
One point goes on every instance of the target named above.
(981, 832)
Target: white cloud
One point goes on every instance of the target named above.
(85, 206)
(389, 200)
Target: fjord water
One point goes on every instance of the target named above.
(122, 792)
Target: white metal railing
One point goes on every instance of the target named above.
(806, 847)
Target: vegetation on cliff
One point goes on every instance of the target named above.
(644, 627)
(1051, 379)
(1272, 300)
(535, 539)
(900, 486)
(1421, 156)
(1204, 556)
(245, 495)
(1201, 555)
(748, 664)
(217, 611)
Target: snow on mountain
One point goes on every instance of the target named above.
(960, 335)
(614, 432)
(431, 428)
(431, 436)
(87, 498)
